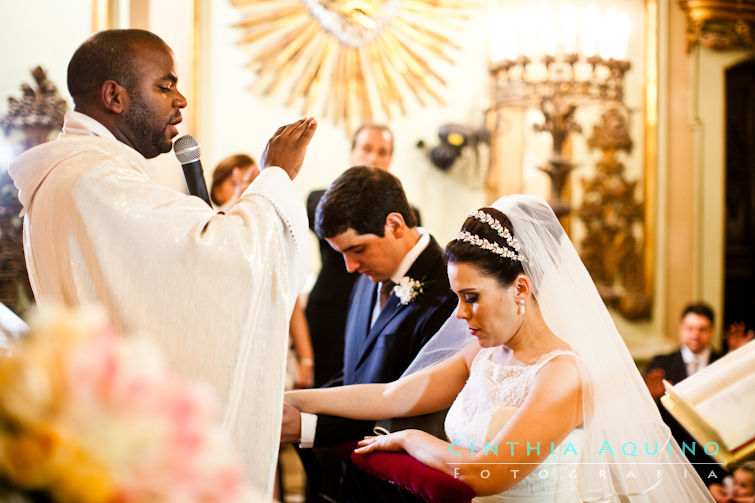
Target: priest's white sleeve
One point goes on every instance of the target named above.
(276, 186)
(217, 290)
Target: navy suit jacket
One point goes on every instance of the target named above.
(673, 365)
(328, 303)
(676, 370)
(381, 353)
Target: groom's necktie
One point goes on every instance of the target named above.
(693, 367)
(386, 288)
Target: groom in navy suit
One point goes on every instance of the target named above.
(365, 216)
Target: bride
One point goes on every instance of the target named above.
(546, 404)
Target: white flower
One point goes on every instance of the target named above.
(407, 289)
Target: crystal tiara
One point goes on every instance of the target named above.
(483, 243)
(494, 224)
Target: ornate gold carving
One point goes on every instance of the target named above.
(15, 290)
(612, 249)
(38, 113)
(346, 56)
(562, 86)
(720, 24)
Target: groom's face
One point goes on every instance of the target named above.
(369, 254)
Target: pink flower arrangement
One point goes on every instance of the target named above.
(88, 416)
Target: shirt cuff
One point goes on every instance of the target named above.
(308, 427)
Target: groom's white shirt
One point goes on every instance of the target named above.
(216, 290)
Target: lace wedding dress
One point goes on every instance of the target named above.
(622, 411)
(492, 394)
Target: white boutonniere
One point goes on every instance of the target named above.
(408, 289)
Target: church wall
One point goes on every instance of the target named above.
(233, 118)
(679, 181)
(695, 156)
(37, 32)
(227, 117)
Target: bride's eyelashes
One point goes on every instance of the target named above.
(470, 298)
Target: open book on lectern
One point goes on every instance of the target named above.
(717, 406)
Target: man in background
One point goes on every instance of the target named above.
(216, 290)
(694, 354)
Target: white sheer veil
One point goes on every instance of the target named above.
(628, 454)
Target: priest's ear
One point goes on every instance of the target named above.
(114, 96)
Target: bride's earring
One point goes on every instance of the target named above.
(520, 308)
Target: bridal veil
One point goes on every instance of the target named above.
(628, 454)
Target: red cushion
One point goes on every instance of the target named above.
(427, 483)
(342, 451)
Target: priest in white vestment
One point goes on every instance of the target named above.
(217, 290)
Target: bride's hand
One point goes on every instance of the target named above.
(390, 442)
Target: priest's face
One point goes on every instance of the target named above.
(369, 254)
(155, 104)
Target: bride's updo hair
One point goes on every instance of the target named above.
(481, 244)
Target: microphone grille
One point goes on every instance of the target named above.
(186, 149)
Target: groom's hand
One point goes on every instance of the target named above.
(291, 424)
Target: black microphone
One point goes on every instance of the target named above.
(186, 149)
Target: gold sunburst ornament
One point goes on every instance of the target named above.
(343, 57)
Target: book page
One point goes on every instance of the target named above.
(731, 412)
(689, 417)
(718, 376)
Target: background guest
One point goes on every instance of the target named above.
(230, 179)
(694, 354)
(738, 488)
(737, 335)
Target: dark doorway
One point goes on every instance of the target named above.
(739, 287)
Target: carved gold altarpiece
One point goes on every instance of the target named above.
(618, 212)
(37, 114)
(351, 59)
(613, 214)
(720, 24)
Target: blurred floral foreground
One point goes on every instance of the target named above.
(87, 416)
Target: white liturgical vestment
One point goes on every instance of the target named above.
(217, 290)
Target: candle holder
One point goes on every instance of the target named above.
(556, 78)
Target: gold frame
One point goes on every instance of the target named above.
(720, 24)
(102, 15)
(351, 81)
(650, 117)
